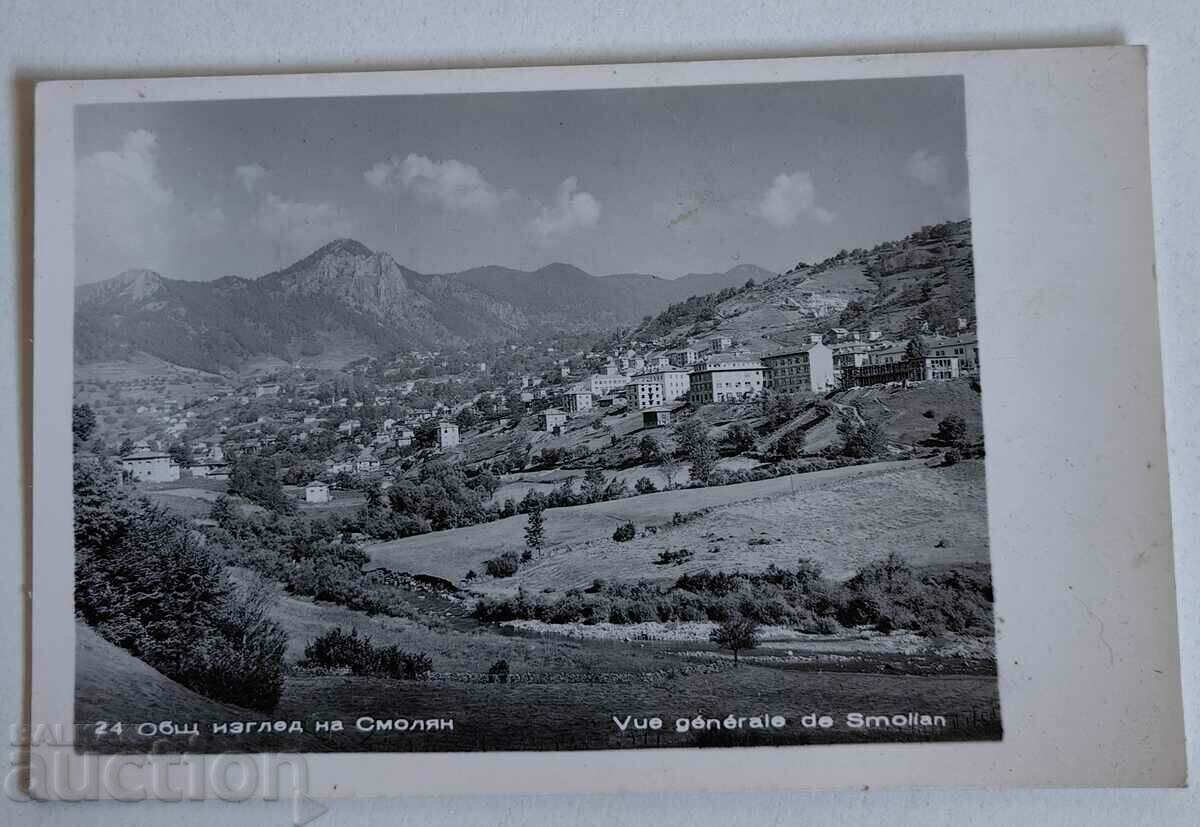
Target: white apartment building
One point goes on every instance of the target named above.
(726, 380)
(659, 387)
(605, 383)
(808, 368)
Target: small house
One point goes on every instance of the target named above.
(447, 434)
(316, 492)
(150, 466)
(553, 419)
(656, 417)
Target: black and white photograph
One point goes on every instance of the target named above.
(554, 420)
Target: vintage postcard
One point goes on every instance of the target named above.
(540, 411)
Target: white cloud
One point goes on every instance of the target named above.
(453, 185)
(572, 210)
(789, 198)
(250, 175)
(927, 170)
(933, 172)
(127, 218)
(297, 227)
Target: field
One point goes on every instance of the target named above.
(840, 518)
(568, 682)
(561, 694)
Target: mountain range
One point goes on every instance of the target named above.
(349, 298)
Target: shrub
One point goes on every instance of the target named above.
(145, 584)
(739, 438)
(861, 439)
(950, 458)
(886, 594)
(790, 445)
(952, 430)
(500, 669)
(673, 558)
(624, 533)
(505, 565)
(645, 485)
(337, 649)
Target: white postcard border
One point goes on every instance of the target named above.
(1078, 503)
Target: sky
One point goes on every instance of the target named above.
(664, 181)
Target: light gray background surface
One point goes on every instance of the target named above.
(59, 38)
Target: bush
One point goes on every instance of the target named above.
(861, 439)
(645, 485)
(952, 431)
(886, 594)
(673, 558)
(739, 438)
(337, 649)
(145, 584)
(624, 533)
(505, 565)
(951, 458)
(790, 445)
(500, 669)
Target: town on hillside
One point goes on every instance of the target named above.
(768, 490)
(350, 441)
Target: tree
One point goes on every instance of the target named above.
(736, 634)
(697, 447)
(782, 408)
(374, 498)
(740, 437)
(914, 352)
(645, 485)
(467, 418)
(952, 431)
(223, 511)
(254, 478)
(790, 445)
(181, 453)
(861, 439)
(83, 423)
(126, 447)
(425, 435)
(535, 532)
(145, 583)
(651, 450)
(593, 485)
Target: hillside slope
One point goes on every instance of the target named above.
(927, 278)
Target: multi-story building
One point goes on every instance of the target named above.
(719, 344)
(447, 434)
(150, 466)
(658, 387)
(578, 401)
(682, 358)
(850, 354)
(964, 348)
(726, 380)
(880, 374)
(604, 383)
(891, 355)
(941, 367)
(807, 368)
